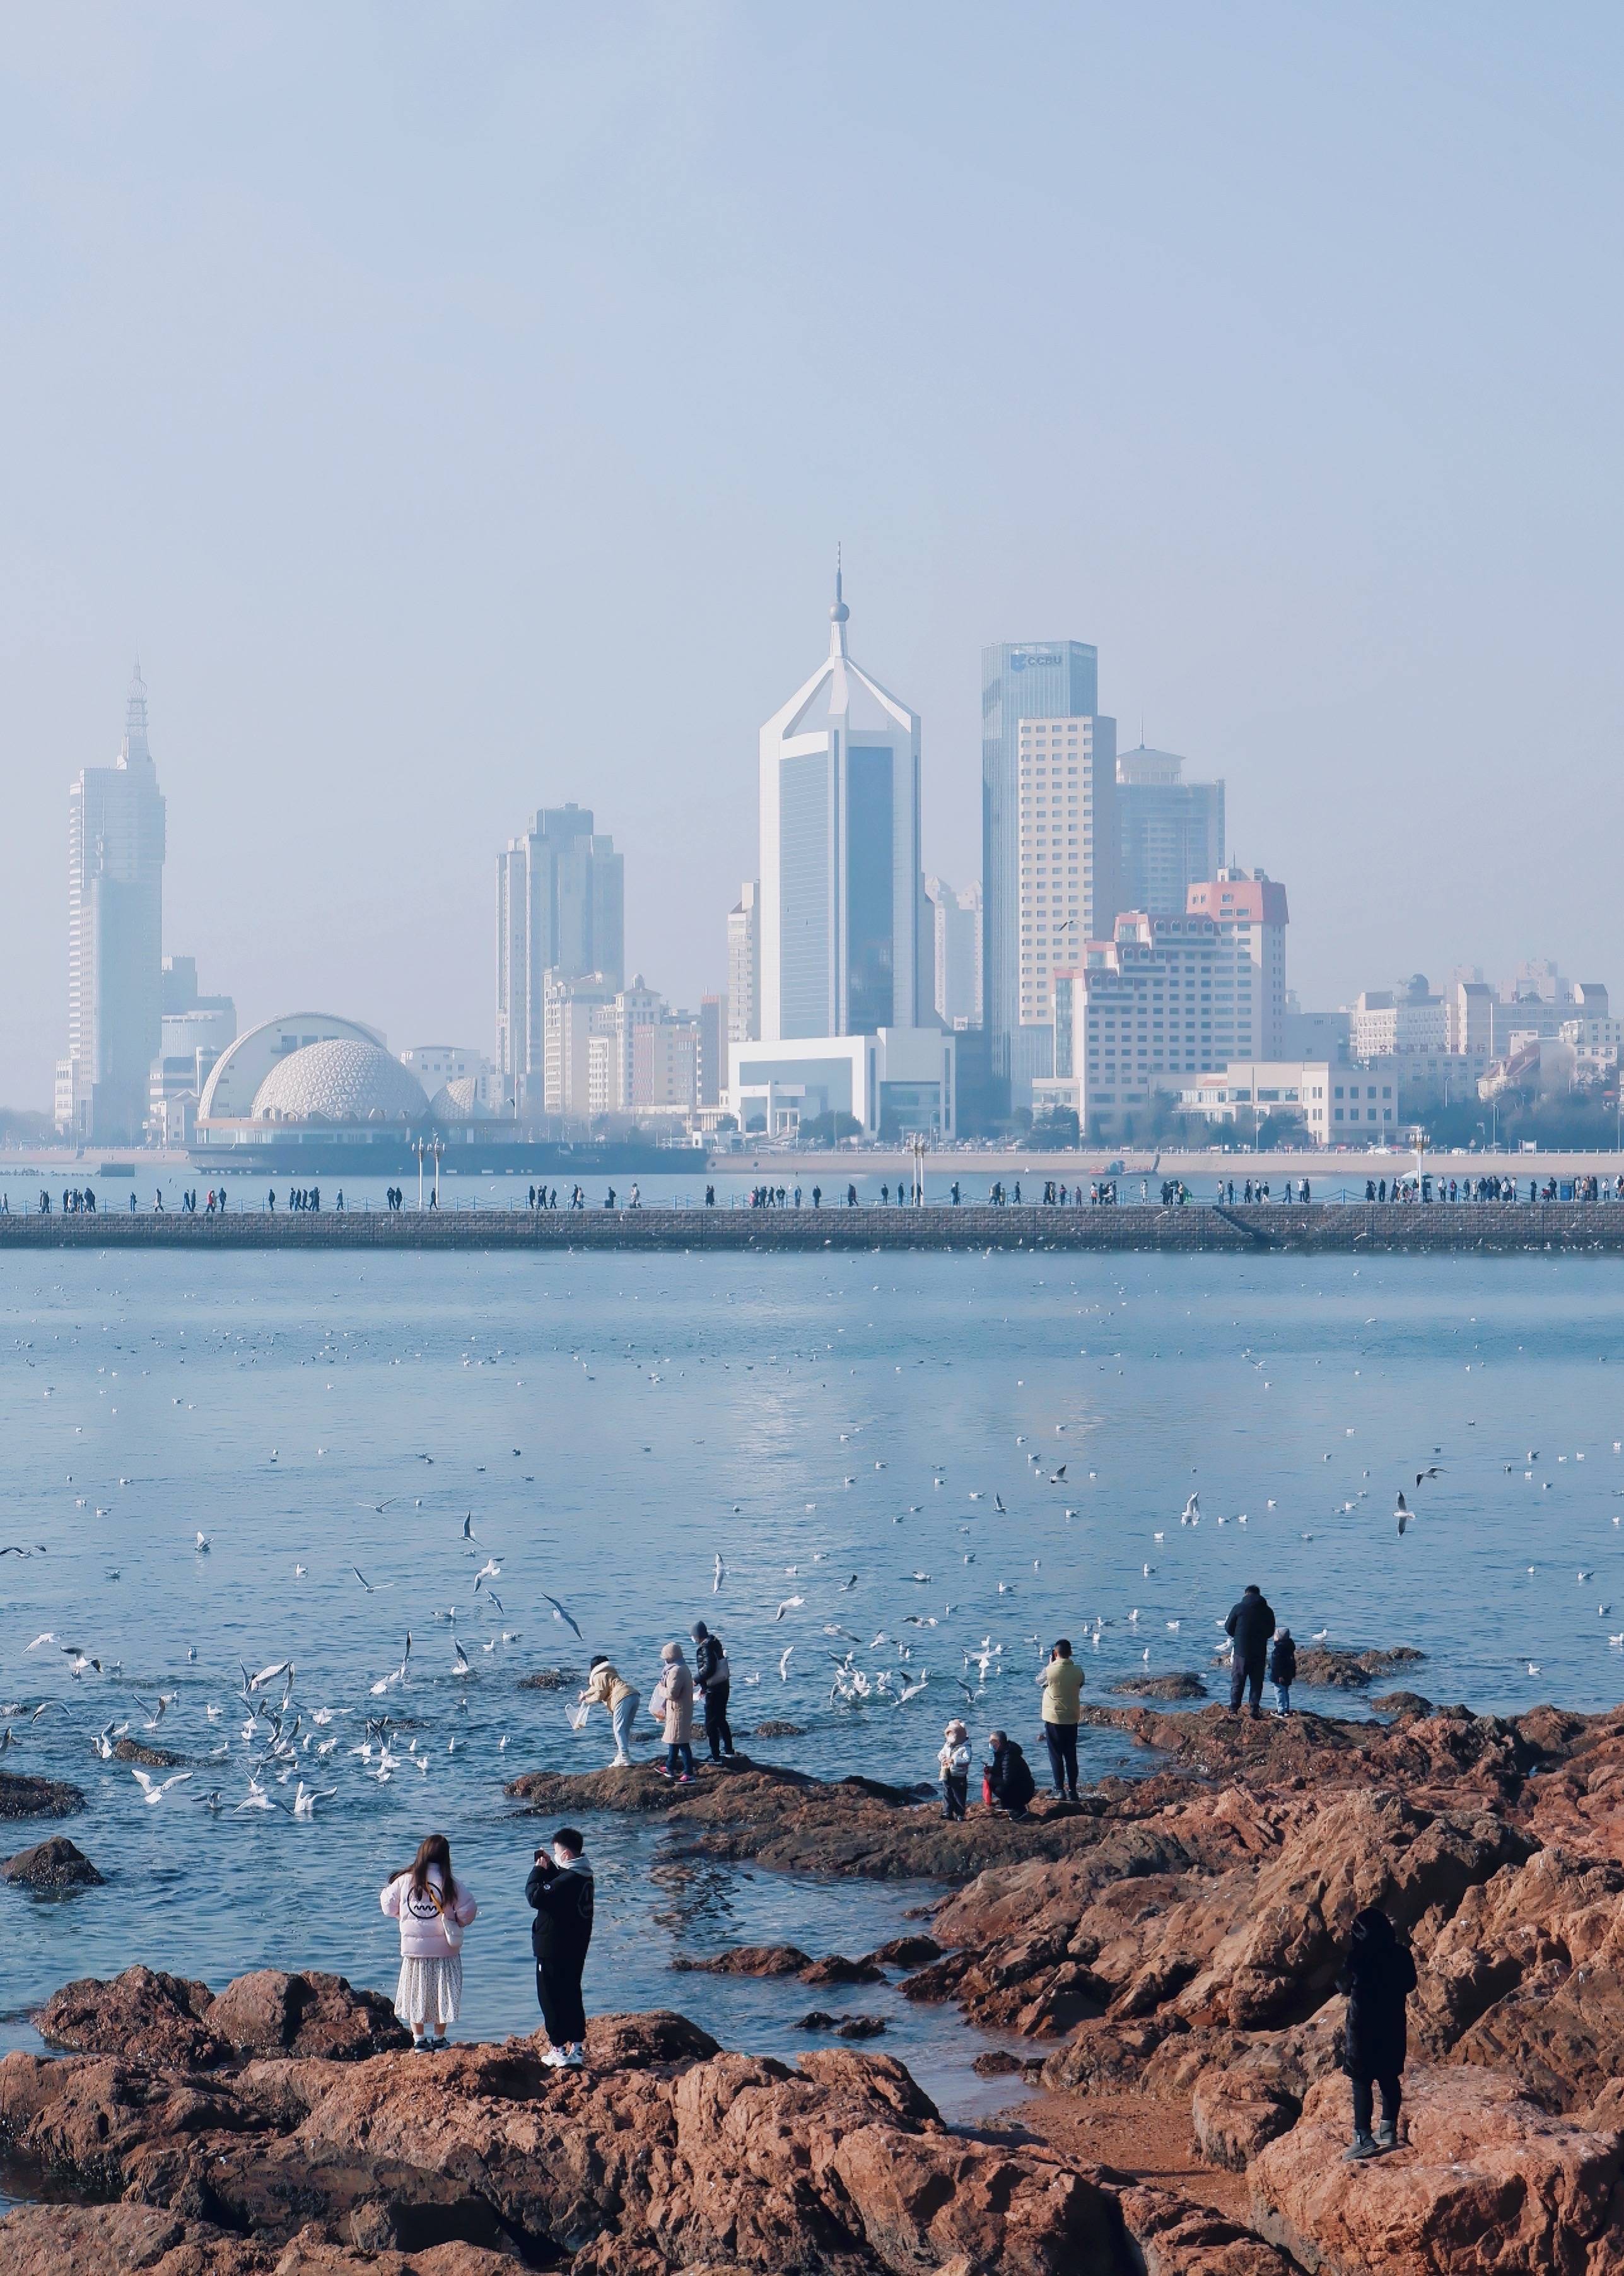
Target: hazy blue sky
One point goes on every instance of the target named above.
(457, 407)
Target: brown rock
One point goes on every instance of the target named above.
(159, 1758)
(142, 2015)
(845, 2027)
(836, 1968)
(1177, 2237)
(906, 1952)
(1401, 1705)
(269, 2013)
(50, 1867)
(1187, 1686)
(550, 1679)
(749, 1960)
(1236, 2112)
(1487, 2186)
(775, 1727)
(36, 1797)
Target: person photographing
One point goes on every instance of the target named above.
(559, 1892)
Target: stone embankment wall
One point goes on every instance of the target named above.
(1320, 1228)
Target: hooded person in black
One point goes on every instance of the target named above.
(1251, 1623)
(1007, 1782)
(560, 1892)
(713, 1681)
(1378, 1977)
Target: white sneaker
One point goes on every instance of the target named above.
(574, 2060)
(555, 2059)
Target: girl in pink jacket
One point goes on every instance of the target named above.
(432, 1910)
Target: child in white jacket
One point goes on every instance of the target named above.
(955, 1761)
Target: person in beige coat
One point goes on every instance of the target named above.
(673, 1699)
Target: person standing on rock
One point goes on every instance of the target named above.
(1252, 1624)
(955, 1764)
(607, 1688)
(560, 1893)
(1378, 1977)
(432, 1910)
(1283, 1668)
(713, 1678)
(674, 1700)
(1061, 1682)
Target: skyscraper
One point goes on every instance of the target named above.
(1027, 679)
(957, 914)
(1171, 832)
(744, 965)
(1067, 801)
(842, 898)
(116, 837)
(561, 909)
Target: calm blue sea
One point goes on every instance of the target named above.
(880, 1437)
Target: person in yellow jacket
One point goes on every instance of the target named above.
(606, 1686)
(1062, 1687)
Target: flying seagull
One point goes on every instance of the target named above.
(559, 1613)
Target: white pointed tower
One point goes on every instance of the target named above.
(842, 888)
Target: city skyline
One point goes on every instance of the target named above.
(356, 438)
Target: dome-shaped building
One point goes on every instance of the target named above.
(459, 1101)
(342, 1080)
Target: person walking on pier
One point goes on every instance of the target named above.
(1378, 1977)
(607, 1688)
(1252, 1624)
(433, 1909)
(559, 1892)
(674, 1702)
(1061, 1683)
(713, 1678)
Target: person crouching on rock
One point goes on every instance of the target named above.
(1283, 1668)
(1007, 1783)
(674, 1702)
(433, 1909)
(559, 1892)
(606, 1686)
(1378, 1977)
(954, 1763)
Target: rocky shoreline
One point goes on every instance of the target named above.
(1166, 1949)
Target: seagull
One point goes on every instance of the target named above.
(559, 1613)
(203, 1544)
(1403, 1512)
(460, 1664)
(1191, 1510)
(467, 1527)
(720, 1575)
(783, 1663)
(789, 1605)
(366, 1584)
(305, 1801)
(1422, 1475)
(154, 1792)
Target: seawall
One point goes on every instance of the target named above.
(1329, 1228)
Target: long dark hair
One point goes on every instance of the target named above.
(436, 1850)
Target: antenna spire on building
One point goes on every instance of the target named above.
(838, 613)
(135, 719)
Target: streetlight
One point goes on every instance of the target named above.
(421, 1147)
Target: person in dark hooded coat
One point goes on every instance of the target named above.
(1378, 1977)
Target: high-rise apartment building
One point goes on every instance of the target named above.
(578, 1047)
(1022, 679)
(1066, 857)
(561, 909)
(842, 893)
(1249, 990)
(1170, 831)
(711, 1079)
(956, 913)
(116, 840)
(744, 962)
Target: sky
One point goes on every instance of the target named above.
(455, 408)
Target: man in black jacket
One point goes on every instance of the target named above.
(1252, 1624)
(713, 1681)
(1009, 1782)
(559, 1891)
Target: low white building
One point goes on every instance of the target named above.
(898, 1080)
(1265, 1087)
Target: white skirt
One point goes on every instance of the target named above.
(430, 1991)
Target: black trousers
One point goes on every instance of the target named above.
(1364, 2102)
(557, 1987)
(1246, 1677)
(1061, 1740)
(719, 1730)
(955, 1793)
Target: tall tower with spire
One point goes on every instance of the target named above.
(116, 844)
(842, 907)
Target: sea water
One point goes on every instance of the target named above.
(948, 1460)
